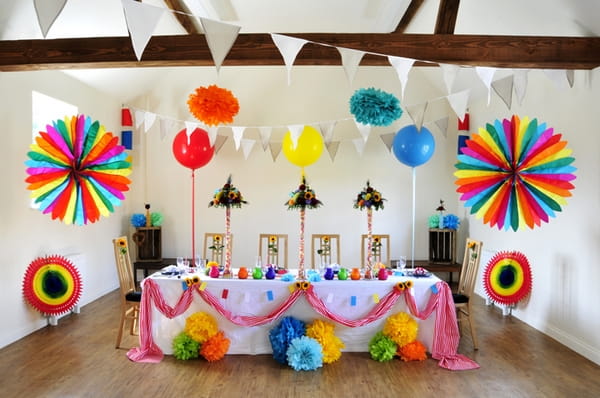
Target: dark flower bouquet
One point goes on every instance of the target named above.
(228, 196)
(369, 198)
(303, 198)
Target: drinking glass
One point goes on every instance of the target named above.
(179, 262)
(402, 263)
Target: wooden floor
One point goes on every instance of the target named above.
(77, 358)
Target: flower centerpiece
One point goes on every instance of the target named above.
(302, 198)
(370, 199)
(228, 196)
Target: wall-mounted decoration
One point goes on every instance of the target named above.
(52, 285)
(77, 170)
(507, 278)
(515, 173)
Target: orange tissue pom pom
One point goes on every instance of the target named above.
(213, 105)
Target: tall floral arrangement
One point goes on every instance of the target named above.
(228, 196)
(370, 199)
(302, 198)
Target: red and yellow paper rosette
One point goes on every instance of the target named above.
(77, 170)
(515, 173)
(507, 278)
(52, 285)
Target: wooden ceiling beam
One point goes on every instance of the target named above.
(181, 13)
(408, 16)
(446, 17)
(258, 49)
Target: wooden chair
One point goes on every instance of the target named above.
(466, 285)
(383, 253)
(271, 245)
(214, 246)
(325, 246)
(130, 298)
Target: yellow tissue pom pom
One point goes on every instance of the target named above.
(201, 326)
(401, 328)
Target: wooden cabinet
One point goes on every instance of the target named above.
(442, 246)
(148, 243)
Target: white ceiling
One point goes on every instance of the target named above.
(85, 18)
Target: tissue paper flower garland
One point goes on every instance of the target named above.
(515, 173)
(52, 285)
(213, 105)
(507, 278)
(375, 107)
(77, 171)
(200, 337)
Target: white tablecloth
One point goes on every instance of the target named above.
(349, 299)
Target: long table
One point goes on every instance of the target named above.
(246, 310)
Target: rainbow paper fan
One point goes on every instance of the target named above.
(515, 173)
(507, 278)
(77, 171)
(52, 285)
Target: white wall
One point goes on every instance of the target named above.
(26, 234)
(562, 253)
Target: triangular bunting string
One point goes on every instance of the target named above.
(275, 148)
(363, 129)
(220, 38)
(520, 83)
(141, 21)
(295, 132)
(166, 125)
(402, 67)
(449, 73)
(332, 148)
(417, 113)
(486, 74)
(458, 103)
(558, 77)
(442, 124)
(238, 134)
(139, 118)
(326, 129)
(219, 142)
(247, 147)
(47, 11)
(359, 144)
(265, 136)
(149, 119)
(212, 134)
(504, 88)
(388, 140)
(289, 47)
(350, 61)
(570, 77)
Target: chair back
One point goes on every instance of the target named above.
(214, 246)
(380, 249)
(123, 261)
(326, 249)
(470, 267)
(273, 249)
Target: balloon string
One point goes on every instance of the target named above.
(193, 219)
(412, 248)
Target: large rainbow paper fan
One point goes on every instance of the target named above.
(515, 173)
(507, 278)
(52, 285)
(77, 171)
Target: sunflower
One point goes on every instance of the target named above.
(326, 239)
(376, 197)
(217, 238)
(308, 195)
(232, 195)
(272, 239)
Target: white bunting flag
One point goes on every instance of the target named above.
(141, 21)
(265, 136)
(571, 77)
(558, 77)
(295, 133)
(139, 118)
(350, 61)
(388, 140)
(189, 129)
(458, 102)
(442, 124)
(504, 88)
(166, 126)
(219, 141)
(275, 149)
(238, 134)
(326, 129)
(289, 47)
(212, 134)
(149, 119)
(486, 74)
(520, 83)
(359, 144)
(402, 66)
(247, 147)
(47, 11)
(449, 72)
(220, 38)
(363, 129)
(417, 113)
(332, 148)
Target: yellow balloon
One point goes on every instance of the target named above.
(308, 149)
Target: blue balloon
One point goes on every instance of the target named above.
(413, 147)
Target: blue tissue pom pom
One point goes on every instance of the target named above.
(451, 221)
(282, 335)
(375, 107)
(305, 353)
(138, 220)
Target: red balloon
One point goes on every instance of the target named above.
(195, 153)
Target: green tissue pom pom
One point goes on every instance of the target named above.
(434, 221)
(382, 348)
(156, 219)
(184, 347)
